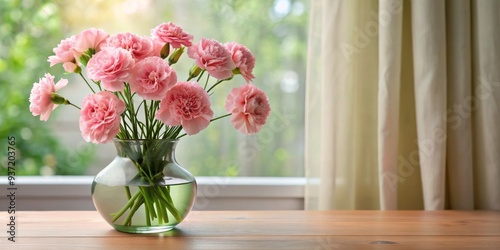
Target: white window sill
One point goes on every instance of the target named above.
(214, 193)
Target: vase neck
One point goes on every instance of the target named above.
(137, 150)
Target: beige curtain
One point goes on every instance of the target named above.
(403, 105)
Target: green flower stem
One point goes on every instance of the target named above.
(130, 111)
(148, 220)
(171, 132)
(88, 84)
(181, 136)
(214, 119)
(124, 133)
(125, 115)
(142, 172)
(150, 128)
(74, 105)
(161, 213)
(149, 112)
(133, 114)
(159, 125)
(148, 203)
(137, 204)
(150, 170)
(169, 198)
(201, 74)
(158, 175)
(156, 200)
(142, 127)
(146, 118)
(166, 199)
(124, 209)
(213, 86)
(220, 117)
(127, 191)
(153, 107)
(98, 83)
(206, 82)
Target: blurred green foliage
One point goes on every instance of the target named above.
(29, 30)
(276, 33)
(274, 30)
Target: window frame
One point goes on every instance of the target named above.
(214, 193)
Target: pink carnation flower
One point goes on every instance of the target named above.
(213, 57)
(186, 104)
(100, 117)
(249, 108)
(40, 103)
(152, 78)
(243, 58)
(90, 39)
(111, 66)
(173, 34)
(139, 47)
(65, 54)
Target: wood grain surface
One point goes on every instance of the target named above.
(315, 230)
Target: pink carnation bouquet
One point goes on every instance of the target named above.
(128, 75)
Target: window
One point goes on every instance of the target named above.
(275, 31)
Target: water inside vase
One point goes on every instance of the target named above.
(111, 199)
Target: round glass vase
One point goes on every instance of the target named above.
(144, 189)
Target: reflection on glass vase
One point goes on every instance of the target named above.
(144, 190)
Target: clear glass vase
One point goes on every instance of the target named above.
(144, 189)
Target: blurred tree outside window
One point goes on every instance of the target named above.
(28, 32)
(274, 30)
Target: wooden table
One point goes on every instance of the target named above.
(305, 230)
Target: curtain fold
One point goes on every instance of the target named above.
(403, 105)
(459, 88)
(486, 115)
(345, 86)
(390, 46)
(429, 60)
